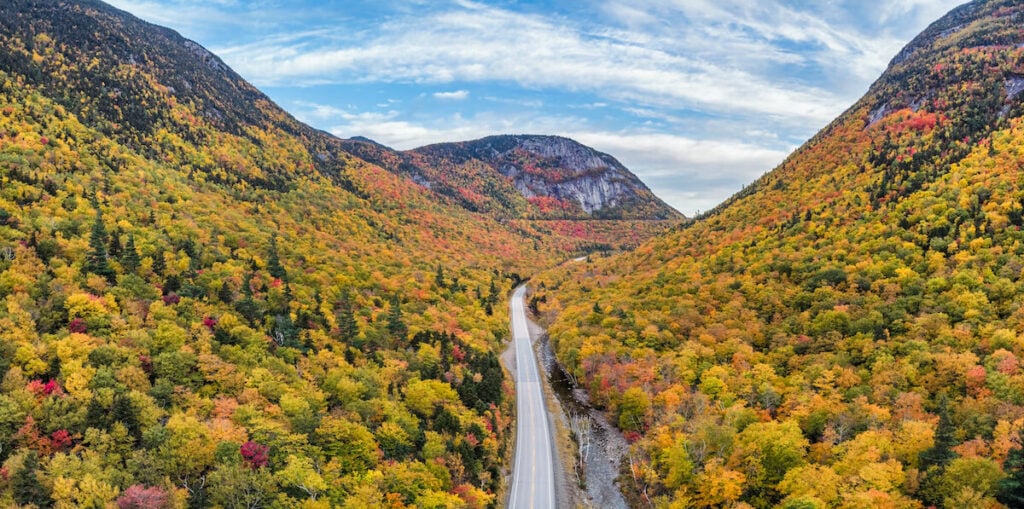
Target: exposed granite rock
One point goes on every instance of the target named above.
(559, 168)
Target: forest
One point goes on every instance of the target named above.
(205, 303)
(847, 330)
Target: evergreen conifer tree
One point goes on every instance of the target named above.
(159, 264)
(96, 261)
(1011, 489)
(130, 257)
(115, 248)
(345, 316)
(396, 324)
(25, 484)
(274, 266)
(945, 438)
(225, 294)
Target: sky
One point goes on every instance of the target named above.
(697, 97)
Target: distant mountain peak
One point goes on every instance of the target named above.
(557, 175)
(364, 139)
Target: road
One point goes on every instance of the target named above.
(533, 480)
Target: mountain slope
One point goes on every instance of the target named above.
(846, 331)
(557, 176)
(208, 303)
(525, 176)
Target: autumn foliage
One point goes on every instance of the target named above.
(846, 331)
(205, 303)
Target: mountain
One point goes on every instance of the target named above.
(524, 176)
(204, 302)
(845, 332)
(558, 176)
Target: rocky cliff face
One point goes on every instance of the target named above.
(582, 175)
(555, 174)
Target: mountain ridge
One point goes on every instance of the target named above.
(852, 312)
(204, 302)
(557, 176)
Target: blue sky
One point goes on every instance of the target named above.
(697, 97)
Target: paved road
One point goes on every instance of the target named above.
(533, 480)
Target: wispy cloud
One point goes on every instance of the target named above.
(457, 95)
(690, 174)
(477, 43)
(698, 97)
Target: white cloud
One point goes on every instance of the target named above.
(486, 44)
(688, 173)
(201, 16)
(923, 10)
(457, 95)
(710, 94)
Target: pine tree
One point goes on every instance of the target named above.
(945, 438)
(345, 316)
(274, 266)
(192, 252)
(1011, 489)
(247, 305)
(123, 411)
(130, 257)
(25, 484)
(934, 460)
(159, 264)
(96, 261)
(115, 248)
(284, 332)
(439, 277)
(492, 296)
(225, 294)
(396, 324)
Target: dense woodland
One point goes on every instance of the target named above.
(208, 304)
(847, 331)
(204, 303)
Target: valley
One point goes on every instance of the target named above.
(207, 303)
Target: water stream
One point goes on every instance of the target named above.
(607, 447)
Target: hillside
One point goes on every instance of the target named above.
(846, 332)
(557, 177)
(208, 303)
(524, 176)
(545, 183)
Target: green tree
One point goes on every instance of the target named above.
(301, 473)
(159, 263)
(439, 276)
(396, 323)
(945, 438)
(769, 450)
(274, 266)
(351, 444)
(240, 487)
(130, 256)
(981, 476)
(115, 249)
(225, 294)
(96, 260)
(633, 409)
(1011, 489)
(25, 483)
(344, 314)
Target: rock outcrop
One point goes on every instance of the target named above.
(556, 175)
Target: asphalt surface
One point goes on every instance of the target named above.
(533, 480)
